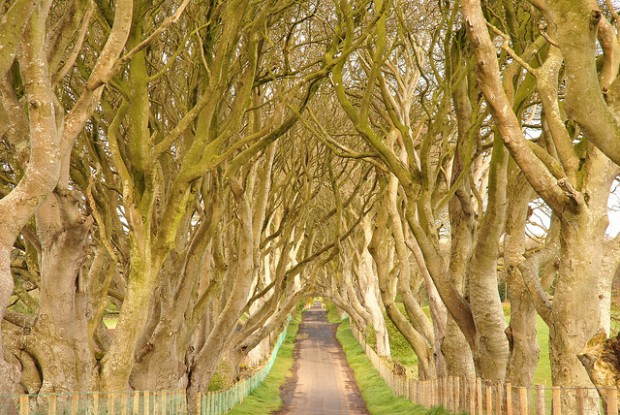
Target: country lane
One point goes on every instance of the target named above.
(323, 382)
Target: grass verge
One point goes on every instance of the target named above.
(379, 398)
(265, 399)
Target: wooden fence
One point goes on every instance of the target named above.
(478, 397)
(138, 402)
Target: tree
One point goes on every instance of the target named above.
(577, 190)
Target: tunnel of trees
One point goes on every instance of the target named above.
(201, 167)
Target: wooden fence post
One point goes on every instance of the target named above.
(479, 395)
(136, 402)
(96, 403)
(457, 394)
(124, 403)
(51, 404)
(488, 393)
(523, 405)
(580, 403)
(612, 401)
(540, 400)
(198, 403)
(24, 408)
(556, 401)
(498, 399)
(147, 402)
(471, 395)
(75, 403)
(110, 403)
(508, 399)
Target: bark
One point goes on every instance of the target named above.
(576, 25)
(208, 357)
(601, 359)
(455, 348)
(369, 284)
(574, 316)
(521, 332)
(12, 27)
(243, 345)
(379, 249)
(491, 344)
(352, 297)
(463, 218)
(118, 362)
(42, 172)
(60, 339)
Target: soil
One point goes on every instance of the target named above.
(322, 381)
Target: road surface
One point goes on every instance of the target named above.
(322, 383)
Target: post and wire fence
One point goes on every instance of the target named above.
(166, 402)
(476, 396)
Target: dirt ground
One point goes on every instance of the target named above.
(322, 383)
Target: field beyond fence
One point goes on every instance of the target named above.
(478, 397)
(138, 402)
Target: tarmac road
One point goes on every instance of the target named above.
(322, 383)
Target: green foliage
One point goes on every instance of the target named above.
(217, 382)
(333, 314)
(266, 398)
(378, 397)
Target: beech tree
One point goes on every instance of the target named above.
(202, 167)
(576, 179)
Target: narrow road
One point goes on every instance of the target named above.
(323, 382)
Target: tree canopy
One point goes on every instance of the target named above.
(199, 168)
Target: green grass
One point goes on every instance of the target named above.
(110, 321)
(333, 315)
(379, 398)
(266, 398)
(400, 349)
(402, 352)
(542, 375)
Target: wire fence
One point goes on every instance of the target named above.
(478, 397)
(139, 402)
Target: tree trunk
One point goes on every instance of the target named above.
(455, 348)
(117, 364)
(209, 355)
(491, 345)
(60, 338)
(369, 284)
(43, 170)
(575, 315)
(379, 249)
(521, 332)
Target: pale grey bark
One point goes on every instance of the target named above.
(521, 332)
(42, 172)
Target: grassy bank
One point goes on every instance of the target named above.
(266, 398)
(378, 396)
(402, 352)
